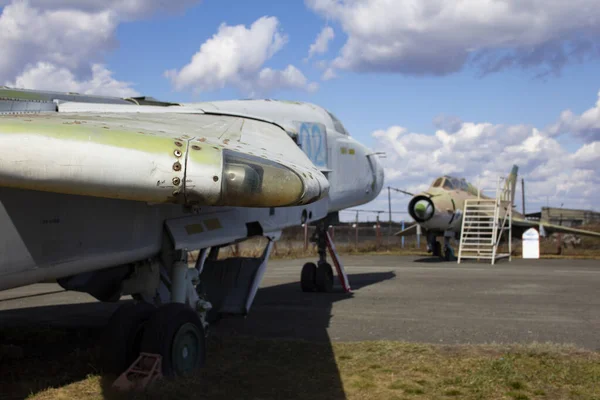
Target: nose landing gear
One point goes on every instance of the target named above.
(435, 247)
(319, 277)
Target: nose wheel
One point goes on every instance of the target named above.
(317, 278)
(447, 254)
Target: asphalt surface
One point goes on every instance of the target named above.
(394, 297)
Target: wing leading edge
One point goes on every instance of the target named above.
(552, 228)
(158, 157)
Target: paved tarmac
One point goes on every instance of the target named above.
(396, 298)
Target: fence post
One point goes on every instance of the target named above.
(402, 228)
(305, 236)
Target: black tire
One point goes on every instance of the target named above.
(437, 249)
(324, 279)
(448, 255)
(122, 337)
(176, 330)
(308, 277)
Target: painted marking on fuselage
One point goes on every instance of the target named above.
(212, 224)
(312, 140)
(194, 229)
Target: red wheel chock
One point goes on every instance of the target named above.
(144, 370)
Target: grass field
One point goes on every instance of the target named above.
(62, 364)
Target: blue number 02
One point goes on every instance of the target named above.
(312, 143)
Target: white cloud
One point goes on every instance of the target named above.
(481, 152)
(585, 126)
(126, 9)
(438, 37)
(46, 76)
(321, 42)
(328, 74)
(65, 35)
(289, 78)
(235, 56)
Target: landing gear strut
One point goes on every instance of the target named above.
(435, 247)
(170, 323)
(319, 277)
(169, 320)
(448, 251)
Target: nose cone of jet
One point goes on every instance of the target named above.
(421, 208)
(379, 176)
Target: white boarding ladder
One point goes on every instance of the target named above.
(485, 221)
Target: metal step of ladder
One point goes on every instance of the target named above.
(484, 223)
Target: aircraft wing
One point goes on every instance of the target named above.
(156, 155)
(404, 231)
(552, 228)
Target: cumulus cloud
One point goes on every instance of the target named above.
(481, 152)
(438, 37)
(321, 43)
(44, 76)
(126, 9)
(328, 74)
(65, 35)
(235, 56)
(585, 126)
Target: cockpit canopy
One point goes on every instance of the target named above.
(451, 183)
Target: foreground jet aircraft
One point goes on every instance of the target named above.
(439, 211)
(108, 196)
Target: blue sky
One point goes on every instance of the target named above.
(398, 66)
(364, 102)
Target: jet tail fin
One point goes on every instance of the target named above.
(511, 182)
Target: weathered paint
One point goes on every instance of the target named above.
(15, 94)
(62, 235)
(81, 130)
(312, 139)
(152, 157)
(448, 204)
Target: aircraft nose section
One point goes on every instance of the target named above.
(421, 208)
(378, 176)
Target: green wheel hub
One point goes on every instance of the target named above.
(186, 349)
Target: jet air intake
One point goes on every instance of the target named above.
(421, 208)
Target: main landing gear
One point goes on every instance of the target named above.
(319, 277)
(434, 246)
(170, 323)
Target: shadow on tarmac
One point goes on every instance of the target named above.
(54, 346)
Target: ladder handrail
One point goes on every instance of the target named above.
(483, 226)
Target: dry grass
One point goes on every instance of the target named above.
(293, 249)
(245, 368)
